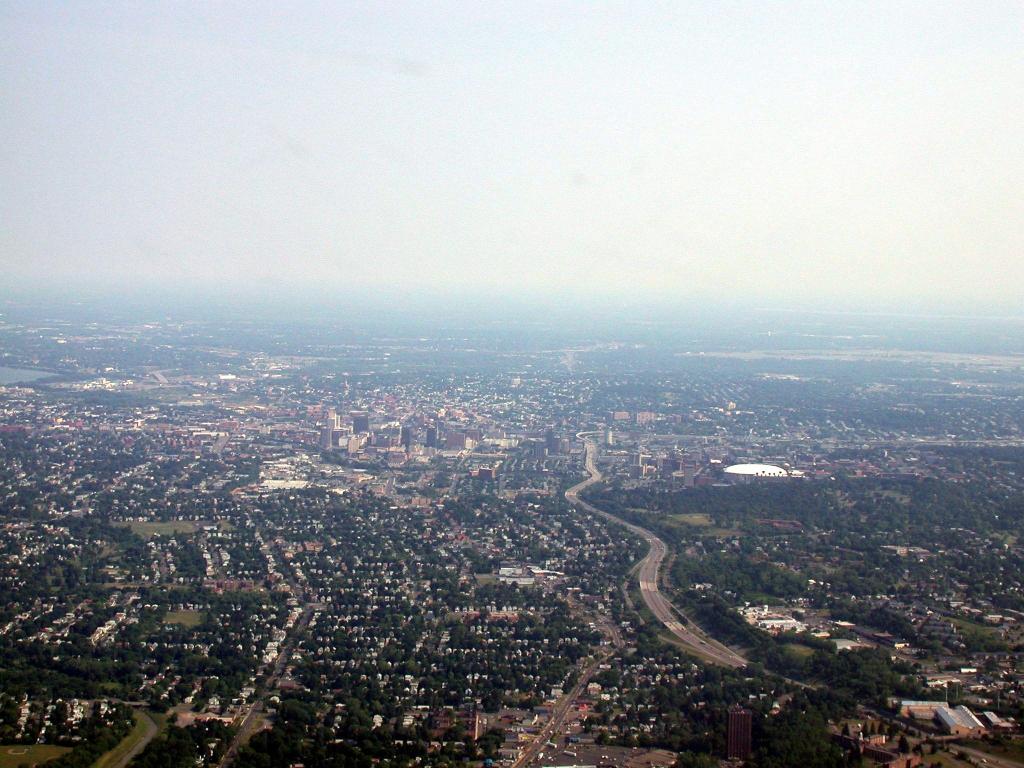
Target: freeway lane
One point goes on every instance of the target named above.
(648, 574)
(150, 731)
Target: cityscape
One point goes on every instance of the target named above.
(439, 549)
(544, 384)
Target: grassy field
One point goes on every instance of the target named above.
(143, 724)
(945, 760)
(800, 651)
(897, 496)
(185, 618)
(13, 755)
(698, 519)
(702, 521)
(144, 585)
(1012, 749)
(149, 530)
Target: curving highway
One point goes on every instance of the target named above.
(149, 732)
(648, 574)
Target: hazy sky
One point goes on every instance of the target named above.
(787, 153)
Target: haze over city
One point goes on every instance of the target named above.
(511, 384)
(862, 156)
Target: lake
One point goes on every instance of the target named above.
(20, 375)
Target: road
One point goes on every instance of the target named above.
(986, 758)
(553, 727)
(150, 732)
(252, 718)
(245, 731)
(248, 724)
(648, 574)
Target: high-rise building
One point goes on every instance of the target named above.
(739, 739)
(550, 441)
(406, 437)
(327, 430)
(431, 439)
(360, 422)
(455, 441)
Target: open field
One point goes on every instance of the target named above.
(143, 585)
(1012, 749)
(185, 618)
(945, 760)
(800, 651)
(13, 755)
(703, 522)
(699, 519)
(148, 530)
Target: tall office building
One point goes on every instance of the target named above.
(739, 739)
(550, 441)
(455, 441)
(360, 422)
(431, 439)
(330, 425)
(406, 437)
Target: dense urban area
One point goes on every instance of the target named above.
(265, 544)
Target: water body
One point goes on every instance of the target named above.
(20, 375)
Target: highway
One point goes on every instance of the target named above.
(648, 574)
(150, 732)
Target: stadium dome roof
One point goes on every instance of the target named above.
(757, 470)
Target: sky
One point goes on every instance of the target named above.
(817, 155)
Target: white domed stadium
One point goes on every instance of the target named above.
(744, 473)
